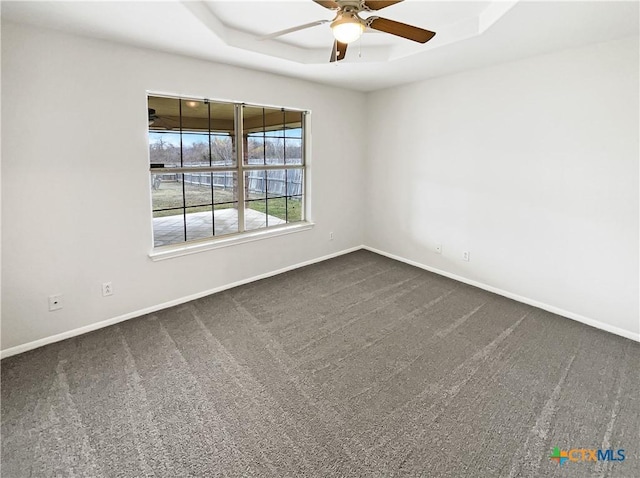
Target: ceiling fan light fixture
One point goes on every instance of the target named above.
(347, 28)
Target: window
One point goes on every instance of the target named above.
(220, 168)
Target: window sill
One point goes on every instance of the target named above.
(178, 250)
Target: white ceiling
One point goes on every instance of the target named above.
(469, 34)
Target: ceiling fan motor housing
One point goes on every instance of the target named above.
(346, 17)
(356, 5)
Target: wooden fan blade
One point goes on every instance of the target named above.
(379, 5)
(402, 30)
(339, 51)
(292, 29)
(163, 122)
(330, 4)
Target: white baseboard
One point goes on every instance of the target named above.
(525, 300)
(106, 323)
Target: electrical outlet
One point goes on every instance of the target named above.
(55, 302)
(331, 236)
(465, 256)
(107, 289)
(438, 248)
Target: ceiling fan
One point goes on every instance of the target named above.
(157, 121)
(347, 26)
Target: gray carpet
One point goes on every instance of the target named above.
(357, 366)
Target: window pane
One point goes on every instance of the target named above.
(169, 228)
(255, 184)
(164, 149)
(222, 152)
(197, 189)
(295, 182)
(166, 193)
(226, 218)
(222, 118)
(199, 223)
(261, 122)
(254, 119)
(195, 150)
(254, 149)
(222, 128)
(293, 151)
(253, 134)
(195, 116)
(293, 133)
(274, 150)
(276, 211)
(225, 187)
(164, 114)
(276, 183)
(293, 124)
(202, 131)
(294, 208)
(254, 214)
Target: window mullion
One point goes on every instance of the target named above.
(306, 135)
(240, 164)
(213, 198)
(184, 193)
(274, 167)
(194, 169)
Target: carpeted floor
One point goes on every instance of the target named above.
(357, 366)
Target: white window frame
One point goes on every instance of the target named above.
(242, 236)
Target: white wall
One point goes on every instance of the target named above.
(532, 166)
(75, 192)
